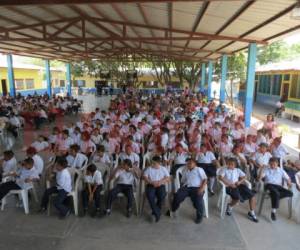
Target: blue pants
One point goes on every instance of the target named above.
(192, 192)
(59, 201)
(127, 190)
(156, 197)
(85, 197)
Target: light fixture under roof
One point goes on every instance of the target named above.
(296, 11)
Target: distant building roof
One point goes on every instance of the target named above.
(280, 66)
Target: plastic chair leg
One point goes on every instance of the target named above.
(205, 198)
(75, 204)
(261, 203)
(3, 203)
(223, 198)
(290, 207)
(24, 195)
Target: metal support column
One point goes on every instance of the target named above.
(223, 78)
(209, 80)
(252, 50)
(48, 77)
(68, 77)
(11, 77)
(203, 74)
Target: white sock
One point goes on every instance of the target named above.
(273, 210)
(252, 213)
(230, 208)
(211, 183)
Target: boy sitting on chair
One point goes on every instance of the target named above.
(125, 175)
(273, 177)
(156, 177)
(24, 178)
(233, 178)
(194, 181)
(93, 186)
(62, 188)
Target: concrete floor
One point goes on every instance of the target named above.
(36, 231)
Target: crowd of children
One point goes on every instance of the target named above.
(184, 131)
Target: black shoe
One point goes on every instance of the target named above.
(211, 192)
(273, 216)
(107, 212)
(129, 213)
(42, 210)
(199, 219)
(62, 217)
(252, 217)
(228, 211)
(157, 218)
(168, 213)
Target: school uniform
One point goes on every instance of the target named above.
(133, 157)
(40, 146)
(273, 179)
(20, 181)
(62, 189)
(64, 144)
(191, 182)
(205, 161)
(280, 152)
(95, 179)
(77, 161)
(156, 195)
(241, 192)
(8, 167)
(179, 161)
(125, 181)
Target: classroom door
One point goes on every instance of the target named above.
(4, 87)
(285, 92)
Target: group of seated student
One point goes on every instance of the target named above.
(185, 131)
(34, 109)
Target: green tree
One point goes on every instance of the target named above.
(274, 52)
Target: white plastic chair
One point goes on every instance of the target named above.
(224, 198)
(23, 195)
(177, 185)
(136, 194)
(296, 201)
(76, 176)
(266, 194)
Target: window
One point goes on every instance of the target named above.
(287, 77)
(276, 84)
(29, 83)
(78, 83)
(264, 84)
(62, 83)
(19, 84)
(295, 86)
(55, 81)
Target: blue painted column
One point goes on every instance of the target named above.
(69, 80)
(48, 77)
(203, 74)
(11, 77)
(252, 50)
(223, 78)
(209, 80)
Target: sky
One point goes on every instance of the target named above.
(295, 38)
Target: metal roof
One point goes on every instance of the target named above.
(115, 29)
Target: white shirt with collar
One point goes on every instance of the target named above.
(194, 177)
(77, 161)
(180, 158)
(26, 174)
(206, 158)
(156, 174)
(231, 175)
(9, 166)
(280, 151)
(64, 180)
(274, 176)
(95, 179)
(263, 159)
(133, 157)
(125, 177)
(40, 146)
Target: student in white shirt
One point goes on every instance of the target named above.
(101, 157)
(40, 144)
(125, 176)
(156, 177)
(179, 158)
(207, 160)
(38, 161)
(92, 188)
(194, 181)
(261, 159)
(24, 179)
(62, 188)
(63, 143)
(75, 158)
(234, 178)
(274, 177)
(9, 164)
(129, 154)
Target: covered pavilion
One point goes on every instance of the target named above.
(204, 31)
